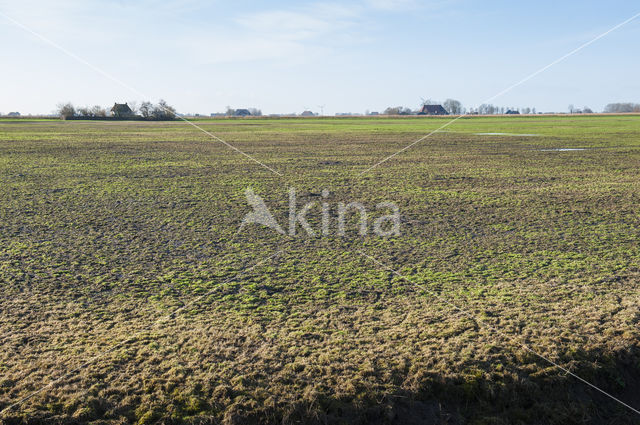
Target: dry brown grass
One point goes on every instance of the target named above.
(107, 227)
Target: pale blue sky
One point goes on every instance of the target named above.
(284, 56)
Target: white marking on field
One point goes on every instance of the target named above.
(562, 149)
(506, 134)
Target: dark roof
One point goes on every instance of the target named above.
(242, 112)
(511, 112)
(433, 110)
(121, 109)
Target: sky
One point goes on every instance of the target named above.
(288, 56)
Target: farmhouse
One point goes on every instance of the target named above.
(512, 112)
(432, 110)
(242, 113)
(121, 110)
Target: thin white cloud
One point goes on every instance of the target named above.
(283, 34)
(393, 4)
(410, 5)
(248, 49)
(285, 25)
(318, 20)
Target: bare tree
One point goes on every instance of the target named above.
(98, 111)
(452, 106)
(162, 111)
(485, 109)
(66, 111)
(393, 110)
(146, 109)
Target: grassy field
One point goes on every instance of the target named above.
(127, 289)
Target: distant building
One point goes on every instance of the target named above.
(512, 112)
(432, 110)
(13, 114)
(241, 113)
(374, 113)
(307, 114)
(121, 110)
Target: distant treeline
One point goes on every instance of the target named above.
(452, 106)
(455, 107)
(618, 108)
(126, 111)
(108, 118)
(147, 111)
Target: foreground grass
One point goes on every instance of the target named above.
(107, 227)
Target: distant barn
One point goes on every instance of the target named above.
(432, 110)
(242, 113)
(512, 112)
(121, 110)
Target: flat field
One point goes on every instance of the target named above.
(130, 292)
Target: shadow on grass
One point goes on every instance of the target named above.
(544, 396)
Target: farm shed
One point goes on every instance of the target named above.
(432, 110)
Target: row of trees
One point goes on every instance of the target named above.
(622, 107)
(452, 106)
(455, 107)
(489, 109)
(68, 111)
(585, 110)
(147, 110)
(399, 110)
(162, 111)
(254, 112)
